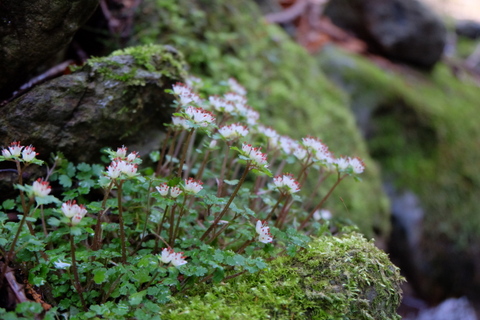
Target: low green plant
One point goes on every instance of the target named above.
(123, 239)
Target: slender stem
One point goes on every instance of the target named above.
(304, 223)
(77, 283)
(172, 224)
(162, 153)
(225, 209)
(120, 218)
(177, 227)
(184, 153)
(203, 165)
(222, 172)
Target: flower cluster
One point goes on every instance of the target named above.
(193, 186)
(15, 150)
(344, 164)
(259, 159)
(165, 190)
(316, 149)
(287, 183)
(263, 232)
(233, 131)
(74, 211)
(185, 93)
(41, 188)
(200, 116)
(175, 258)
(123, 164)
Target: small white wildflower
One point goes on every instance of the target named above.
(342, 163)
(167, 255)
(322, 214)
(178, 259)
(193, 186)
(233, 131)
(259, 158)
(263, 232)
(287, 182)
(181, 122)
(28, 154)
(13, 151)
(163, 189)
(357, 165)
(175, 192)
(41, 188)
(200, 116)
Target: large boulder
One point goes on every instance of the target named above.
(110, 101)
(404, 30)
(32, 31)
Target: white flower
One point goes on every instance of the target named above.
(342, 163)
(288, 182)
(114, 170)
(357, 165)
(252, 116)
(74, 211)
(175, 192)
(167, 255)
(180, 122)
(270, 133)
(163, 189)
(118, 167)
(233, 131)
(14, 150)
(61, 265)
(28, 154)
(200, 116)
(132, 156)
(322, 214)
(41, 188)
(300, 152)
(221, 105)
(263, 232)
(121, 152)
(69, 208)
(235, 98)
(259, 158)
(193, 186)
(287, 144)
(170, 256)
(236, 87)
(185, 93)
(178, 259)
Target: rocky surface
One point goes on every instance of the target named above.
(404, 30)
(32, 32)
(108, 102)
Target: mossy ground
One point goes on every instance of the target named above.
(335, 278)
(222, 39)
(425, 132)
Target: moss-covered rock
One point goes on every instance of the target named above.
(424, 130)
(222, 39)
(335, 278)
(115, 100)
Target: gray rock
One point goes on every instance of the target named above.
(110, 101)
(403, 30)
(32, 31)
(450, 309)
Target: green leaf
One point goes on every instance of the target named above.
(218, 275)
(231, 182)
(54, 222)
(47, 200)
(137, 297)
(65, 181)
(8, 204)
(76, 231)
(99, 275)
(84, 167)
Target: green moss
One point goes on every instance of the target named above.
(222, 39)
(425, 133)
(335, 278)
(127, 65)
